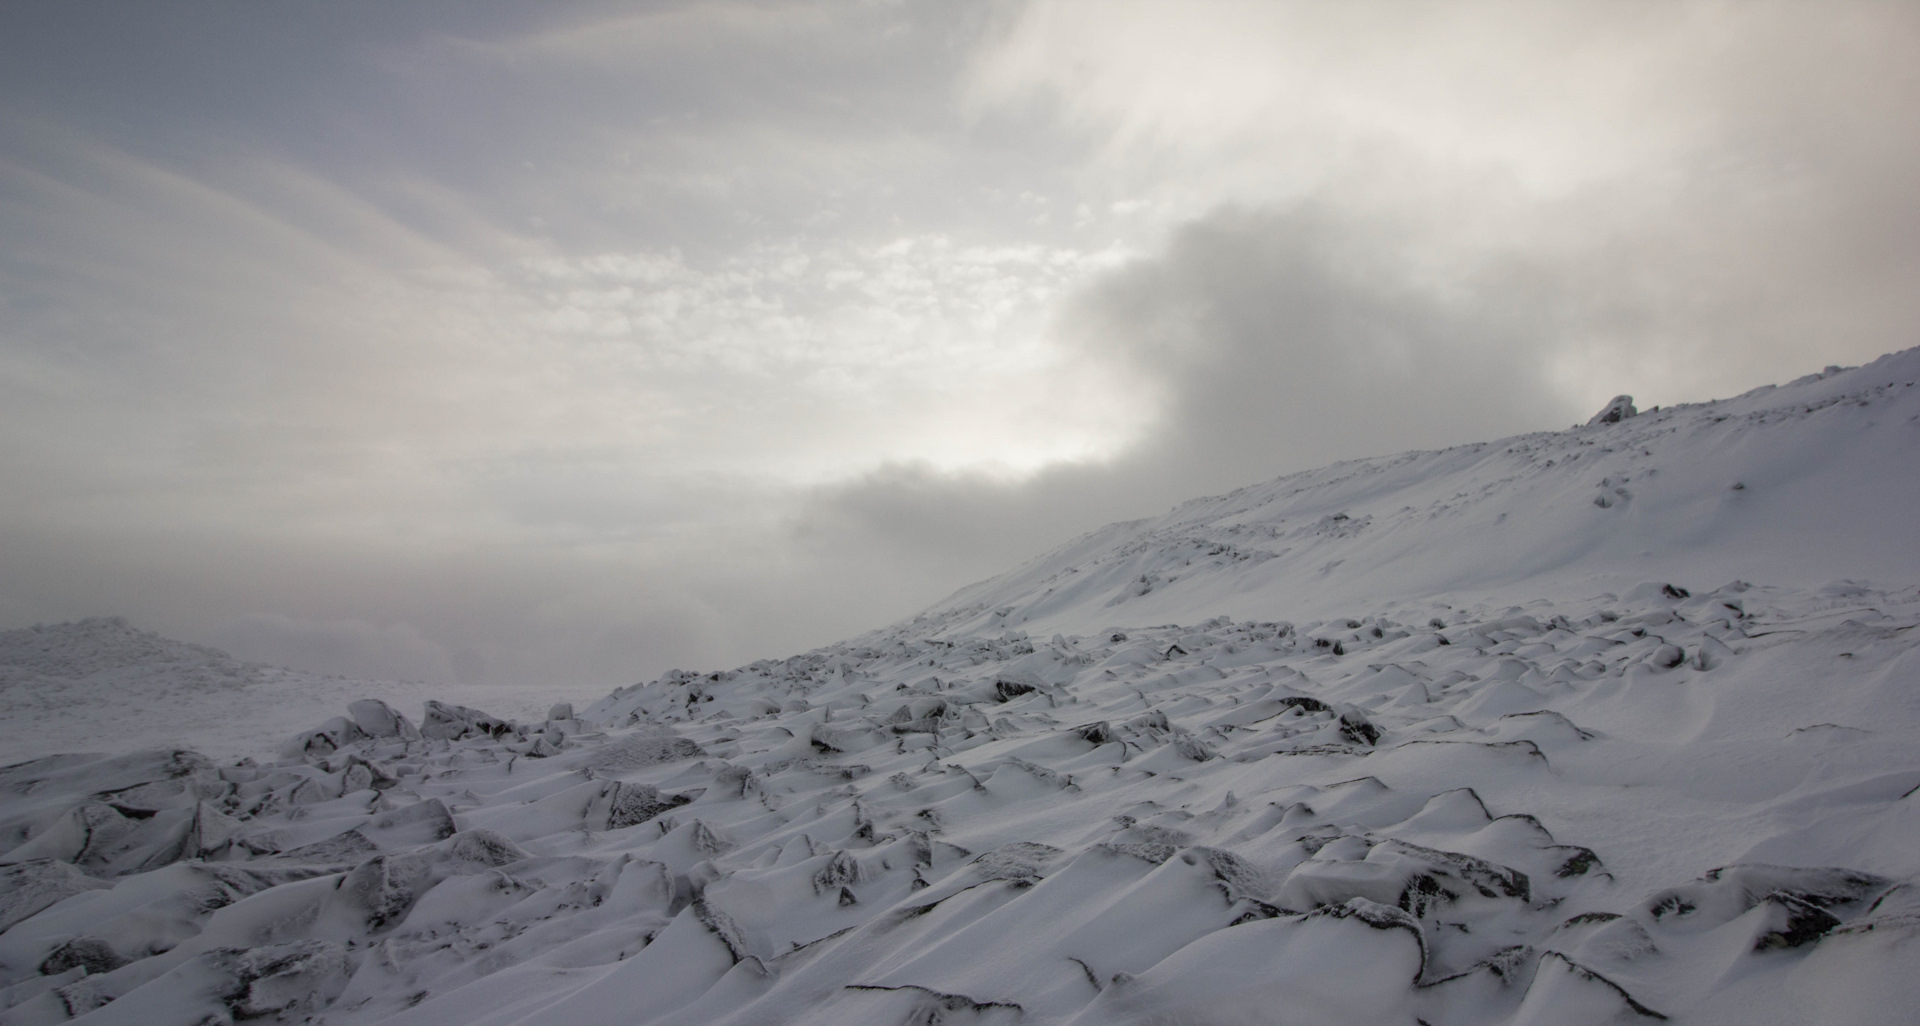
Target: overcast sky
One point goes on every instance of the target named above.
(573, 342)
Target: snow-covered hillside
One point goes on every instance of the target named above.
(1566, 729)
(1807, 483)
(103, 683)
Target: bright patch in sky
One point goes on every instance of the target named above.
(560, 338)
(944, 343)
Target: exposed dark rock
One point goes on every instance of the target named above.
(1357, 729)
(633, 804)
(1827, 887)
(279, 978)
(89, 953)
(1098, 733)
(1670, 905)
(840, 871)
(925, 725)
(448, 722)
(938, 1001)
(1424, 893)
(1800, 922)
(1490, 879)
(1005, 690)
(335, 734)
(1729, 892)
(1192, 748)
(1579, 863)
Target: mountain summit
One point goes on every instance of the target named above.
(1606, 725)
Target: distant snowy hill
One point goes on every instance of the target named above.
(73, 686)
(104, 646)
(1610, 725)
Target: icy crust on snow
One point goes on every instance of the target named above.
(1671, 802)
(1798, 484)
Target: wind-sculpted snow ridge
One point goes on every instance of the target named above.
(1673, 803)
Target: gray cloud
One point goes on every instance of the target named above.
(1287, 338)
(1269, 341)
(1715, 187)
(578, 341)
(347, 647)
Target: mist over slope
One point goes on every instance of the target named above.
(1803, 483)
(1599, 726)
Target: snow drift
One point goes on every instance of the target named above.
(1600, 726)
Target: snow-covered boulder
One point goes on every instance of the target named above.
(378, 719)
(1619, 408)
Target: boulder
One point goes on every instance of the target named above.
(1616, 410)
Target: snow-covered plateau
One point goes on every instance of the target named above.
(1614, 724)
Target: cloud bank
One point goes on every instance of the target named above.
(580, 342)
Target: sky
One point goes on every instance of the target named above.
(570, 342)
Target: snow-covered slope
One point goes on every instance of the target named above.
(1805, 483)
(1561, 730)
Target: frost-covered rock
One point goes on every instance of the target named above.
(1619, 408)
(378, 719)
(447, 722)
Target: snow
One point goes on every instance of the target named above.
(74, 686)
(1560, 729)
